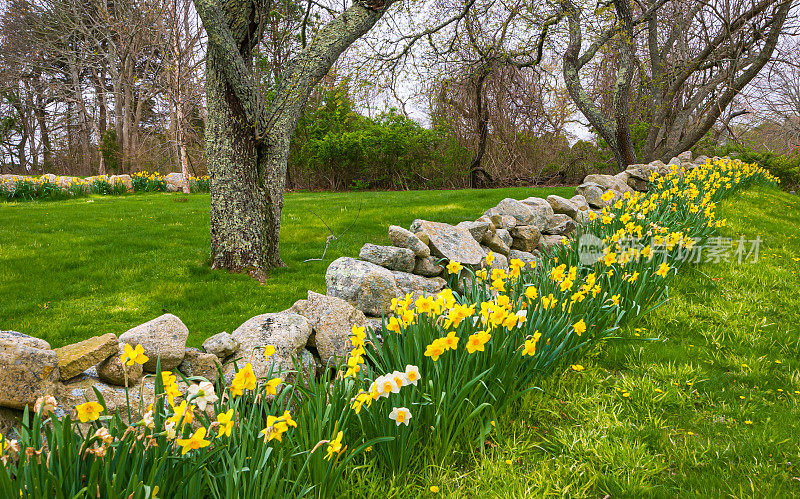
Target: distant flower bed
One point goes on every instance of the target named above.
(52, 187)
(432, 382)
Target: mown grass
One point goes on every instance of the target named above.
(713, 384)
(77, 268)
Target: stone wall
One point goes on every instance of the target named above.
(316, 329)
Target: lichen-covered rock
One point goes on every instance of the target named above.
(162, 338)
(542, 209)
(580, 202)
(122, 179)
(403, 238)
(497, 244)
(417, 285)
(608, 182)
(505, 236)
(522, 255)
(198, 363)
(25, 371)
(332, 320)
(175, 182)
(286, 331)
(526, 238)
(24, 339)
(560, 225)
(9, 420)
(500, 260)
(75, 358)
(390, 257)
(548, 242)
(477, 229)
(221, 344)
(562, 206)
(522, 211)
(593, 194)
(685, 156)
(368, 287)
(113, 372)
(428, 267)
(82, 388)
(451, 242)
(506, 222)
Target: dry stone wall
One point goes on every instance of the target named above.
(316, 329)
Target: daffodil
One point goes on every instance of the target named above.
(454, 267)
(269, 351)
(90, 411)
(400, 415)
(412, 374)
(530, 344)
(131, 355)
(202, 394)
(225, 420)
(662, 270)
(271, 386)
(579, 327)
(335, 446)
(196, 441)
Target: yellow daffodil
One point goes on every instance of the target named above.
(579, 327)
(225, 420)
(131, 355)
(90, 411)
(335, 446)
(196, 441)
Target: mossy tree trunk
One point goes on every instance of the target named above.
(247, 140)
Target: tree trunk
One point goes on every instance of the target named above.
(247, 145)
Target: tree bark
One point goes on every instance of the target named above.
(247, 143)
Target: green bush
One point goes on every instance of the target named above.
(336, 148)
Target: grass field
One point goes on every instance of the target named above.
(73, 269)
(713, 384)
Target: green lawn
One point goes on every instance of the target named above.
(726, 351)
(73, 269)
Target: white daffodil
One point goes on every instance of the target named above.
(386, 386)
(400, 415)
(412, 374)
(169, 428)
(202, 395)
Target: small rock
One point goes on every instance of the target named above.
(497, 245)
(223, 345)
(593, 194)
(560, 225)
(428, 267)
(485, 219)
(332, 320)
(424, 238)
(685, 156)
(78, 357)
(506, 222)
(25, 372)
(25, 340)
(112, 371)
(403, 238)
(477, 229)
(562, 205)
(542, 209)
(286, 331)
(580, 202)
(547, 242)
(163, 337)
(390, 257)
(608, 182)
(202, 364)
(526, 238)
(451, 242)
(523, 212)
